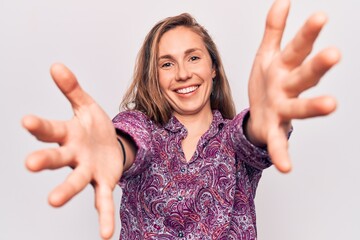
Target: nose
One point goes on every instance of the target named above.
(182, 73)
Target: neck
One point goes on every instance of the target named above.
(196, 124)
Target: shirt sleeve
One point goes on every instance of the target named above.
(250, 154)
(137, 126)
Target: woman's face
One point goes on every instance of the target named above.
(185, 71)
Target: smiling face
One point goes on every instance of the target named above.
(185, 72)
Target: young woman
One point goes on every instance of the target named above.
(188, 166)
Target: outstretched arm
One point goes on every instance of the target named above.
(87, 143)
(279, 76)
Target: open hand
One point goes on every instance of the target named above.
(87, 143)
(278, 78)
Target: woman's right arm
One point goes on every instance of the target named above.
(87, 143)
(130, 151)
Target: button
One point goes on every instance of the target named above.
(182, 170)
(181, 234)
(180, 198)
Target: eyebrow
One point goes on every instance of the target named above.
(188, 51)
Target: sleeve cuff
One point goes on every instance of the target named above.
(138, 127)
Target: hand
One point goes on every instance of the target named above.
(87, 143)
(278, 78)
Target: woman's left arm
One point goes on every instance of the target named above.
(279, 76)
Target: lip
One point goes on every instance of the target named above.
(187, 89)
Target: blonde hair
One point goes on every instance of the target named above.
(144, 93)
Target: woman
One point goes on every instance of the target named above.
(188, 166)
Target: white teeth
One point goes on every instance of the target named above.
(187, 90)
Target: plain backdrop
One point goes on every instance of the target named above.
(99, 41)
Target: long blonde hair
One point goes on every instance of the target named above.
(144, 93)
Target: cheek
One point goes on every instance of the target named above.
(207, 74)
(166, 78)
(162, 81)
(206, 70)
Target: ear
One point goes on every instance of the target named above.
(213, 73)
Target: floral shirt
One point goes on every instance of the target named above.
(209, 197)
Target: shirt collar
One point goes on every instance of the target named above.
(174, 125)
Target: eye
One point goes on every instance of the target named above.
(166, 65)
(194, 58)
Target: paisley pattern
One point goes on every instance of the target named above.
(209, 197)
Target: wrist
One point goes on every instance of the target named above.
(249, 132)
(122, 149)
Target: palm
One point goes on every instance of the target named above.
(279, 76)
(87, 143)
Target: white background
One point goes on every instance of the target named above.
(99, 41)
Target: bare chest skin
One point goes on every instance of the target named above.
(196, 125)
(189, 145)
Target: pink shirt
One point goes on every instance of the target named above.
(209, 197)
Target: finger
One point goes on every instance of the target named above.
(105, 206)
(278, 149)
(75, 182)
(310, 73)
(67, 83)
(45, 130)
(300, 47)
(307, 108)
(275, 25)
(49, 159)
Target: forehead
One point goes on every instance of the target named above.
(178, 40)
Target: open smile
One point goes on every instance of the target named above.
(187, 89)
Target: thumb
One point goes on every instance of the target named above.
(278, 150)
(69, 86)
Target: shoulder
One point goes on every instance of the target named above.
(236, 122)
(131, 115)
(131, 119)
